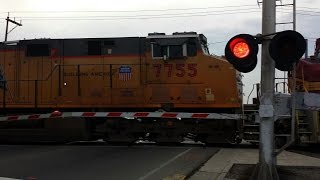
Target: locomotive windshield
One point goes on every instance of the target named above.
(169, 49)
(188, 49)
(158, 50)
(175, 46)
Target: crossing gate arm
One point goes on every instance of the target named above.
(35, 116)
(128, 115)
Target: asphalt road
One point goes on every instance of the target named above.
(100, 161)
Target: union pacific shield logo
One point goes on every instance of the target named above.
(125, 73)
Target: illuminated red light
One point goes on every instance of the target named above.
(240, 48)
(241, 52)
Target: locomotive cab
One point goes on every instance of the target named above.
(184, 74)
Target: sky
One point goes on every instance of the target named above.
(217, 20)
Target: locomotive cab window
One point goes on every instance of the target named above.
(172, 51)
(191, 49)
(158, 51)
(176, 51)
(37, 50)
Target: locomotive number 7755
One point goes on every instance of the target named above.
(181, 69)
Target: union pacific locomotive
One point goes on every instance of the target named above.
(150, 74)
(161, 88)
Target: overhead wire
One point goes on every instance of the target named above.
(141, 10)
(136, 17)
(151, 16)
(149, 10)
(222, 10)
(305, 7)
(228, 10)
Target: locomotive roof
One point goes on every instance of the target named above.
(95, 38)
(100, 46)
(79, 46)
(172, 36)
(150, 36)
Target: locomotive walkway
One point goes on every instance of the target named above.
(239, 163)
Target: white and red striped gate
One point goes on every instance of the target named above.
(128, 115)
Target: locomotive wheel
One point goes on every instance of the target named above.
(167, 131)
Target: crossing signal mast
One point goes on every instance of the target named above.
(285, 48)
(280, 50)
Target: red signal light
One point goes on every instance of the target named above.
(240, 48)
(241, 51)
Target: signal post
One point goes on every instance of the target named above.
(266, 168)
(280, 50)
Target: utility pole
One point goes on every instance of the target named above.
(5, 39)
(266, 169)
(7, 26)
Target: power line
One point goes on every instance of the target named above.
(309, 11)
(152, 16)
(305, 7)
(301, 12)
(306, 14)
(141, 10)
(155, 16)
(135, 17)
(147, 10)
(153, 10)
(138, 15)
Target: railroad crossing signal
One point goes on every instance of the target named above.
(286, 48)
(241, 51)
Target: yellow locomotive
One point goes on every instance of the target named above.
(158, 72)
